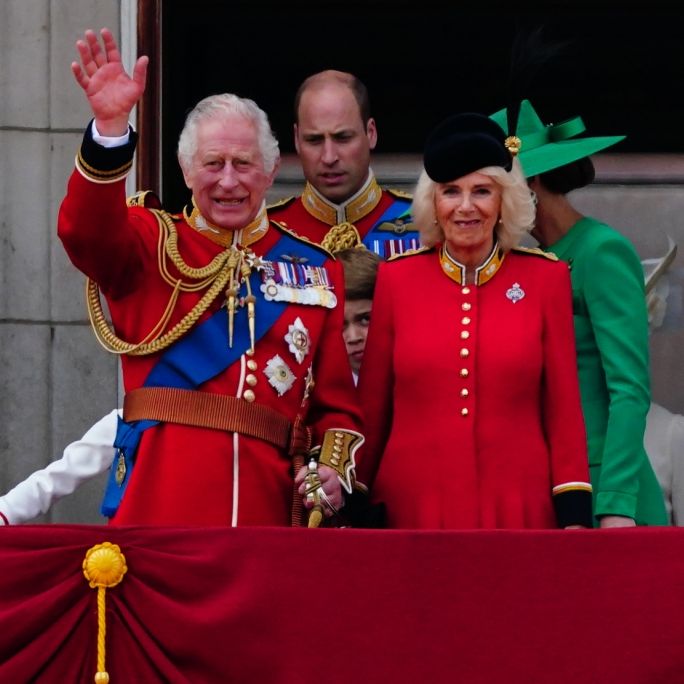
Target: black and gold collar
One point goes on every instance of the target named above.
(484, 272)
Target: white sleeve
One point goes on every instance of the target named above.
(108, 141)
(83, 459)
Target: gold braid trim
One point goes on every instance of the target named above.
(214, 275)
(337, 452)
(208, 271)
(98, 174)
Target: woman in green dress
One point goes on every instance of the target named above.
(611, 321)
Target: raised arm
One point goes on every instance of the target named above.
(111, 92)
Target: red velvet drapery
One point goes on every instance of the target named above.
(205, 606)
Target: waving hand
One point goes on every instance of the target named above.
(111, 92)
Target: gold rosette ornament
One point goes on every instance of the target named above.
(104, 566)
(513, 144)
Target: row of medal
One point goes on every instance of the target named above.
(296, 283)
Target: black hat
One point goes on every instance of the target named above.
(464, 143)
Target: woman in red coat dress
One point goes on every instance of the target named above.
(469, 381)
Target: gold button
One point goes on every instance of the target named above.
(248, 395)
(251, 380)
(464, 392)
(249, 352)
(334, 461)
(339, 434)
(252, 364)
(465, 334)
(465, 320)
(466, 306)
(464, 412)
(337, 449)
(466, 290)
(464, 353)
(464, 372)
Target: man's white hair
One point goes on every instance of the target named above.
(224, 106)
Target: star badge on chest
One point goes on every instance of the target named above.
(279, 375)
(298, 340)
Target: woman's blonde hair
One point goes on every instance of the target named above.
(517, 207)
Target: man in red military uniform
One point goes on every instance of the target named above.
(342, 204)
(228, 326)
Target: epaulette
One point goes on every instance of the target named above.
(282, 227)
(535, 251)
(144, 198)
(400, 194)
(411, 252)
(278, 204)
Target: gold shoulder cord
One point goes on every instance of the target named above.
(341, 236)
(213, 274)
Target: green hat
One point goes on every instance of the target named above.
(546, 147)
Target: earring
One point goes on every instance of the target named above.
(535, 199)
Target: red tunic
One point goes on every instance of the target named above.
(471, 399)
(379, 216)
(191, 475)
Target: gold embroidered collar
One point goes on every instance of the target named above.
(223, 236)
(484, 272)
(355, 208)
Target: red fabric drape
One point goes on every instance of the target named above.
(295, 605)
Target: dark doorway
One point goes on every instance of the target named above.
(622, 68)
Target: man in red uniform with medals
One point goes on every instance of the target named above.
(342, 204)
(228, 325)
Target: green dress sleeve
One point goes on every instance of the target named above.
(614, 299)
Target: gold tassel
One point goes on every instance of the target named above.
(231, 292)
(104, 566)
(251, 320)
(316, 516)
(231, 295)
(250, 300)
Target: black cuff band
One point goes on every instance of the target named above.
(573, 507)
(105, 164)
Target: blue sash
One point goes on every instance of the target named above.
(387, 243)
(200, 355)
